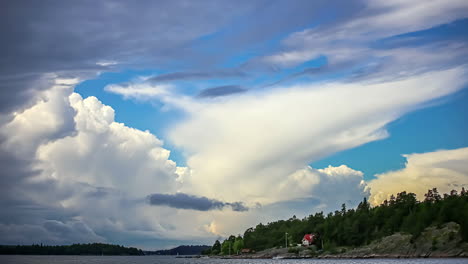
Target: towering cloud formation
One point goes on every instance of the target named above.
(88, 172)
(255, 140)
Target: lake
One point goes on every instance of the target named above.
(8, 259)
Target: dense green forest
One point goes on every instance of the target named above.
(75, 249)
(359, 226)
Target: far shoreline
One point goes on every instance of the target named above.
(328, 257)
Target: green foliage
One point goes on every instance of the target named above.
(330, 247)
(238, 244)
(293, 250)
(206, 252)
(225, 247)
(216, 248)
(360, 226)
(312, 250)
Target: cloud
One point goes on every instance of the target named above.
(178, 76)
(354, 44)
(104, 153)
(443, 169)
(139, 91)
(49, 118)
(328, 188)
(96, 37)
(93, 36)
(50, 232)
(97, 171)
(71, 173)
(187, 201)
(221, 91)
(89, 168)
(106, 63)
(82, 169)
(257, 139)
(308, 190)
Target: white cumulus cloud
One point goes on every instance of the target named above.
(443, 169)
(87, 176)
(246, 144)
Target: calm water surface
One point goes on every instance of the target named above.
(170, 260)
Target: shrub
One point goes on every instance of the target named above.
(294, 250)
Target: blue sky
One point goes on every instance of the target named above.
(159, 123)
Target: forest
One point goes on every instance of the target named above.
(358, 226)
(75, 249)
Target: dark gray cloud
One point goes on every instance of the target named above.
(187, 201)
(24, 219)
(51, 232)
(51, 36)
(221, 91)
(180, 76)
(70, 38)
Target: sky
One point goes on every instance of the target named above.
(160, 123)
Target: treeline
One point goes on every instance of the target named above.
(180, 250)
(75, 249)
(357, 227)
(231, 246)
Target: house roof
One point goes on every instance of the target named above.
(308, 237)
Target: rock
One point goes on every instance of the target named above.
(443, 242)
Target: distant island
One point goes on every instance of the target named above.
(75, 249)
(400, 227)
(180, 250)
(97, 249)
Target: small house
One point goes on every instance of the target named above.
(308, 239)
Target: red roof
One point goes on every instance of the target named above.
(309, 237)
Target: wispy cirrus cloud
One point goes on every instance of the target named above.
(350, 39)
(140, 91)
